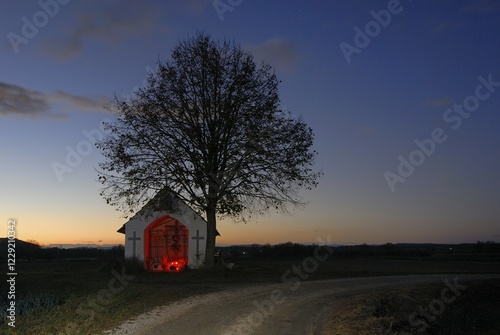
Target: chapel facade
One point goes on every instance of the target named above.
(168, 240)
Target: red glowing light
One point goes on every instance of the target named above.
(166, 245)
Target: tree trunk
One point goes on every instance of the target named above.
(211, 235)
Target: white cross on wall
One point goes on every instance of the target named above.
(197, 238)
(133, 239)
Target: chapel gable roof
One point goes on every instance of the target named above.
(121, 230)
(164, 201)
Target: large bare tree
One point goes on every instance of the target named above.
(207, 127)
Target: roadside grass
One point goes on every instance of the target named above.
(383, 313)
(475, 311)
(80, 303)
(69, 298)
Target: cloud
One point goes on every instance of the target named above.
(24, 102)
(466, 14)
(199, 6)
(280, 54)
(17, 100)
(449, 25)
(440, 102)
(79, 102)
(111, 22)
(482, 6)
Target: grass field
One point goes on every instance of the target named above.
(88, 297)
(396, 311)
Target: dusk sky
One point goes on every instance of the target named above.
(403, 97)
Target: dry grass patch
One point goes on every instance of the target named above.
(381, 313)
(475, 311)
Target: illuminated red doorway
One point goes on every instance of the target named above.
(166, 245)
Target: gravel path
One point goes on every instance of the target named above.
(291, 308)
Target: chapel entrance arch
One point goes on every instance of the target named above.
(166, 245)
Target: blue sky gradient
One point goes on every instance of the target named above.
(365, 113)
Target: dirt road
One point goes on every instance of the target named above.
(294, 307)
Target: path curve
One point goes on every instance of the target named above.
(291, 308)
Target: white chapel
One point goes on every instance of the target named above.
(166, 240)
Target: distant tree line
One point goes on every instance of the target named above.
(290, 249)
(28, 251)
(488, 246)
(31, 250)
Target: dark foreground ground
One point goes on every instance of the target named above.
(420, 310)
(87, 297)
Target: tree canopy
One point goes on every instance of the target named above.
(207, 126)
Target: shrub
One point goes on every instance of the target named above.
(30, 303)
